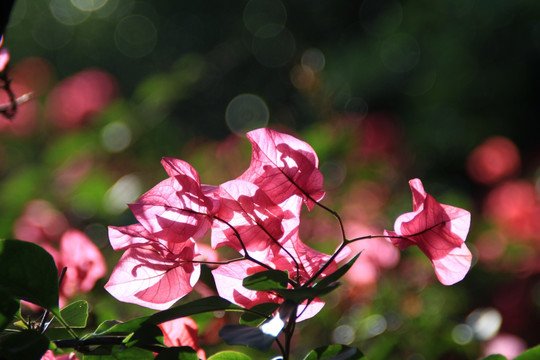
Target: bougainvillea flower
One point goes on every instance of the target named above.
(286, 253)
(251, 212)
(4, 58)
(282, 165)
(49, 355)
(176, 209)
(182, 332)
(85, 263)
(438, 230)
(152, 276)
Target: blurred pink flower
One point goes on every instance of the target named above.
(494, 160)
(182, 332)
(4, 58)
(40, 223)
(49, 355)
(515, 207)
(24, 121)
(377, 255)
(505, 344)
(85, 263)
(438, 230)
(73, 101)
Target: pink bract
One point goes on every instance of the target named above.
(4, 59)
(282, 165)
(84, 262)
(182, 332)
(439, 231)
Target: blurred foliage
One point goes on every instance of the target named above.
(383, 90)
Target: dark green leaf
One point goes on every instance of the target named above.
(27, 344)
(8, 308)
(495, 357)
(336, 275)
(335, 352)
(146, 334)
(229, 355)
(111, 327)
(118, 353)
(266, 280)
(531, 354)
(299, 295)
(29, 273)
(178, 353)
(199, 306)
(246, 335)
(259, 314)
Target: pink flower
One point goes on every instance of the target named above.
(439, 231)
(157, 268)
(182, 332)
(4, 59)
(505, 344)
(49, 355)
(152, 272)
(282, 251)
(84, 262)
(257, 214)
(282, 165)
(76, 99)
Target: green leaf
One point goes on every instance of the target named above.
(146, 334)
(267, 280)
(178, 353)
(531, 354)
(74, 314)
(29, 273)
(111, 327)
(495, 357)
(301, 294)
(118, 353)
(336, 275)
(229, 355)
(334, 352)
(8, 308)
(27, 344)
(259, 314)
(199, 306)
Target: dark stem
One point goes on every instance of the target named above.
(42, 325)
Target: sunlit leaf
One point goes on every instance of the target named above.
(29, 273)
(335, 352)
(74, 314)
(229, 355)
(531, 354)
(495, 357)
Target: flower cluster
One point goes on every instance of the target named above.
(257, 215)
